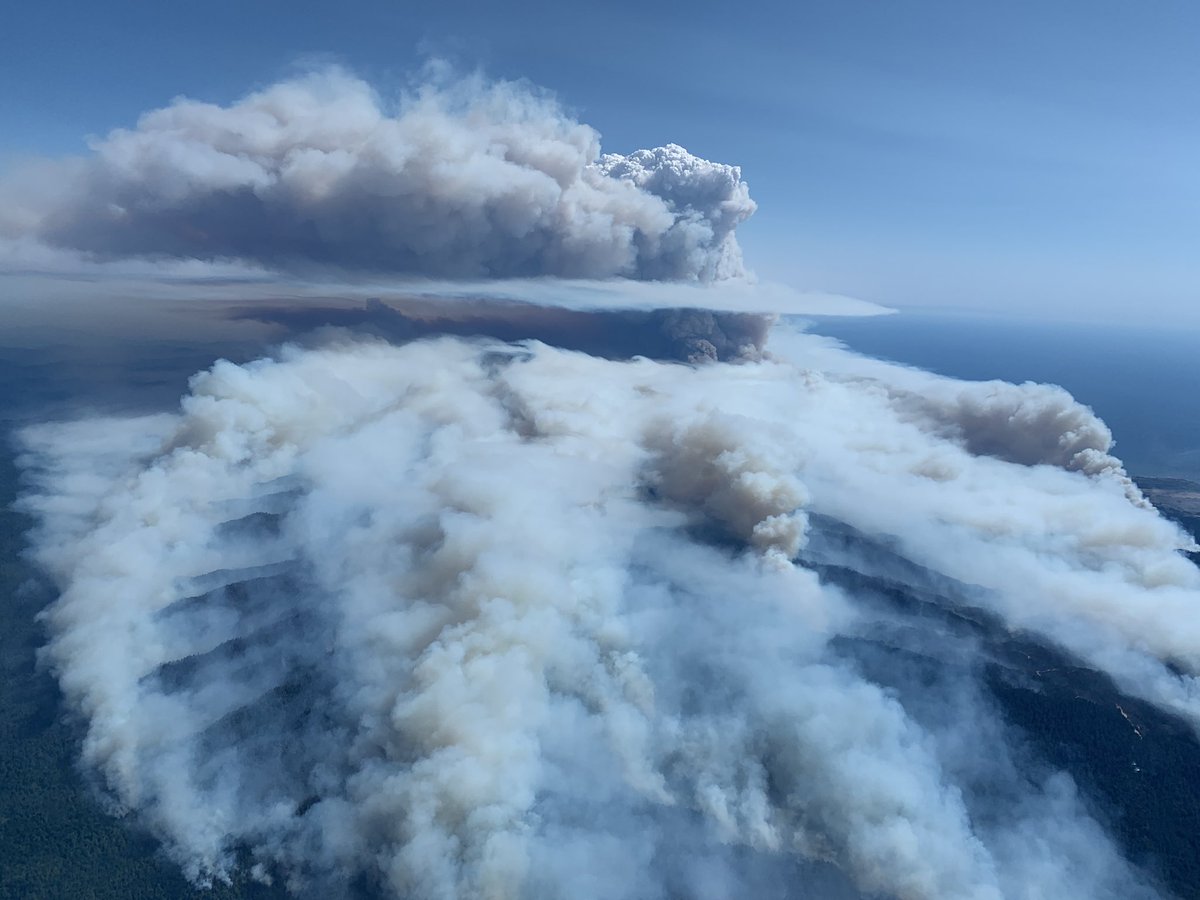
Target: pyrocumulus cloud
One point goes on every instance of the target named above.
(459, 178)
(710, 610)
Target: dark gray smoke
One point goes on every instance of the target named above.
(460, 178)
(690, 335)
(456, 601)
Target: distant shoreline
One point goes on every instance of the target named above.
(1144, 383)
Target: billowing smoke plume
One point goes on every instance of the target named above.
(461, 178)
(463, 619)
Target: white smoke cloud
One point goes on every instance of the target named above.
(462, 178)
(475, 619)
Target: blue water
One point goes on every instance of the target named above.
(1144, 382)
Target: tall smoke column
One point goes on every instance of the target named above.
(470, 617)
(462, 178)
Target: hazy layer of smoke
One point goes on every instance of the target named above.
(694, 335)
(462, 178)
(477, 619)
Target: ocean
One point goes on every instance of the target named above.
(1143, 381)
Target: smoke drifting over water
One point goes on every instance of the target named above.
(459, 601)
(468, 618)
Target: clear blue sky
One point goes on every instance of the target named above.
(1042, 157)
